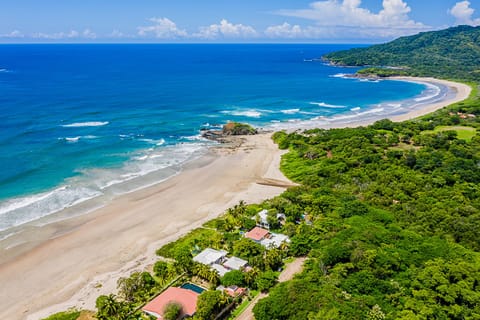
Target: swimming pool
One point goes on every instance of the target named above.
(193, 287)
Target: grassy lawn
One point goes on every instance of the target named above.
(199, 238)
(464, 133)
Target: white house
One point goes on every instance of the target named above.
(262, 221)
(274, 240)
(235, 263)
(210, 256)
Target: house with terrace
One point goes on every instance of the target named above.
(218, 261)
(267, 238)
(262, 219)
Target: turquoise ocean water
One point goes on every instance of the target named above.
(82, 121)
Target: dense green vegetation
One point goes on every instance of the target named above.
(395, 211)
(452, 53)
(383, 72)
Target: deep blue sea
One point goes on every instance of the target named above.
(80, 121)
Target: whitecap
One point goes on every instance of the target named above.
(342, 75)
(394, 105)
(326, 105)
(355, 109)
(290, 111)
(86, 124)
(72, 139)
(244, 113)
(431, 92)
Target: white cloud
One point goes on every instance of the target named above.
(227, 30)
(348, 19)
(72, 34)
(116, 34)
(87, 33)
(285, 30)
(58, 35)
(463, 13)
(162, 28)
(13, 34)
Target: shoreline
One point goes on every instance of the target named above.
(80, 253)
(87, 254)
(462, 91)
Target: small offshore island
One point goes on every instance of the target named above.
(377, 221)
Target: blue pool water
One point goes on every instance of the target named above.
(193, 287)
(82, 121)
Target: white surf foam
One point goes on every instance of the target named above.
(86, 124)
(144, 169)
(72, 140)
(341, 75)
(18, 211)
(327, 105)
(290, 111)
(431, 92)
(244, 113)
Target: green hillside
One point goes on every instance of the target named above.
(453, 52)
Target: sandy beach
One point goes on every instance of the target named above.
(70, 263)
(94, 250)
(462, 92)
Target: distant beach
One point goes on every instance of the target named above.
(69, 263)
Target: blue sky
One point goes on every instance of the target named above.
(325, 21)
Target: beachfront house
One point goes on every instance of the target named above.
(235, 263)
(257, 234)
(218, 261)
(262, 219)
(186, 299)
(266, 238)
(210, 257)
(275, 240)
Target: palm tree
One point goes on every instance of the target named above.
(251, 275)
(213, 277)
(201, 270)
(110, 306)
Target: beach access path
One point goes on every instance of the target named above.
(291, 269)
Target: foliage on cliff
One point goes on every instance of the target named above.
(452, 53)
(238, 129)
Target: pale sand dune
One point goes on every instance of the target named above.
(67, 261)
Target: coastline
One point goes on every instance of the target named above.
(110, 242)
(90, 252)
(462, 92)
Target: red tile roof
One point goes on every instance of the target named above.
(257, 234)
(186, 298)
